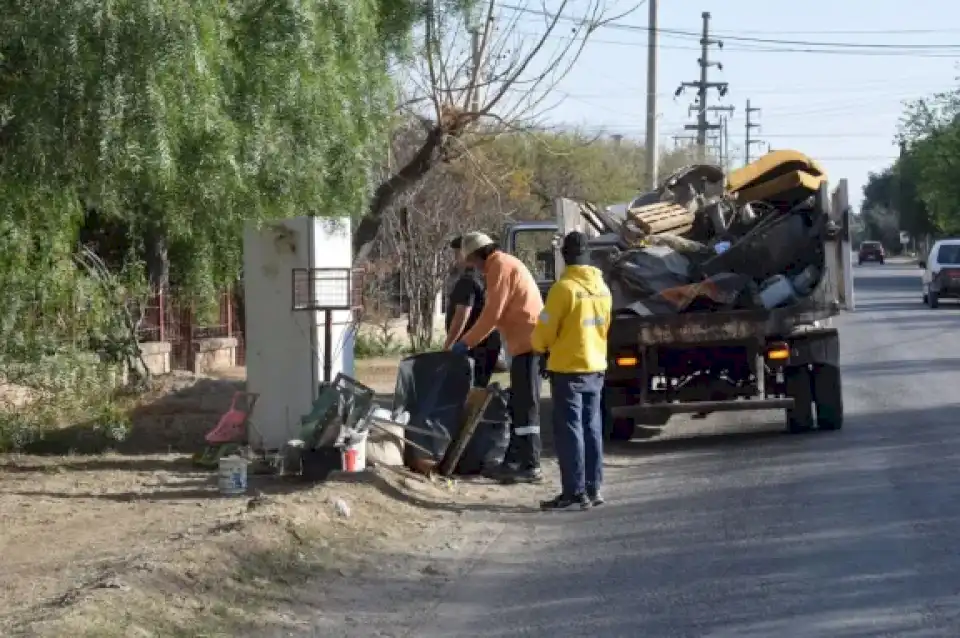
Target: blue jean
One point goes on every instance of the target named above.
(578, 430)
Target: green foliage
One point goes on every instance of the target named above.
(539, 167)
(921, 186)
(185, 120)
(369, 346)
(177, 122)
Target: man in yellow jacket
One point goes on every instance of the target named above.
(573, 329)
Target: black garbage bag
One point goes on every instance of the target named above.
(490, 441)
(433, 388)
(769, 249)
(643, 272)
(624, 301)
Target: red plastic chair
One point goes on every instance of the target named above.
(232, 426)
(230, 432)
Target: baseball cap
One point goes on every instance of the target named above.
(472, 242)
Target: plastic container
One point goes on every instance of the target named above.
(232, 475)
(776, 291)
(806, 281)
(353, 453)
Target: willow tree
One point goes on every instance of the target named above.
(180, 120)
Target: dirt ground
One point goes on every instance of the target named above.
(138, 542)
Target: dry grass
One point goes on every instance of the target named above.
(140, 543)
(97, 548)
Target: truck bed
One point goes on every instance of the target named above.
(694, 328)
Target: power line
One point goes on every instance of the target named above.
(825, 47)
(819, 43)
(769, 49)
(722, 32)
(622, 93)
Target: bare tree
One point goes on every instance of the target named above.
(476, 75)
(416, 231)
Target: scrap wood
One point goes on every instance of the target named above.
(476, 405)
(653, 219)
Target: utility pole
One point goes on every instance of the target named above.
(724, 143)
(651, 142)
(718, 127)
(749, 127)
(703, 86)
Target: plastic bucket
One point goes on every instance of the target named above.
(232, 475)
(353, 454)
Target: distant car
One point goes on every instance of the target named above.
(870, 251)
(941, 272)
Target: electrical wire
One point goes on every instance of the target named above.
(747, 42)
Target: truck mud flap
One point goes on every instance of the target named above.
(694, 407)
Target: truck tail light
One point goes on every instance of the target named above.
(778, 351)
(627, 361)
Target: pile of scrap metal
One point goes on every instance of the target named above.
(703, 243)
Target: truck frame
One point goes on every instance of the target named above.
(699, 363)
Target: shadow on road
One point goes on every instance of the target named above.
(904, 366)
(888, 282)
(699, 441)
(834, 533)
(903, 304)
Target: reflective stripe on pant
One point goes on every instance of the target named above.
(578, 430)
(525, 384)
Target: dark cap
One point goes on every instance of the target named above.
(575, 250)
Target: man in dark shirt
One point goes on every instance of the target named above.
(463, 308)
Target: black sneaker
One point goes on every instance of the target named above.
(511, 475)
(596, 498)
(562, 502)
(497, 472)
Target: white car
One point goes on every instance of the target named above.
(941, 272)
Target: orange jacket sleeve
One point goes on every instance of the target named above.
(498, 288)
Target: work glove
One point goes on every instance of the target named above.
(544, 373)
(459, 348)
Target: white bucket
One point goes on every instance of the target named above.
(232, 477)
(353, 456)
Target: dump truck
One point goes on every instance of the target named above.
(746, 357)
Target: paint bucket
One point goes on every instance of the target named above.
(232, 475)
(353, 454)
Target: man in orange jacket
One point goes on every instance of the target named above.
(513, 304)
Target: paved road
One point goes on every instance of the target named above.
(754, 534)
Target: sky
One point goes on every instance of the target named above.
(839, 104)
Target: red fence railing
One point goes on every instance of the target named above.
(175, 319)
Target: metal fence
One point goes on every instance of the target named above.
(174, 318)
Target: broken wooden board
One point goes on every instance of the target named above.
(476, 405)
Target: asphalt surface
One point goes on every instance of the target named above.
(751, 533)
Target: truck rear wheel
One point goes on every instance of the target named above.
(799, 387)
(828, 396)
(621, 430)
